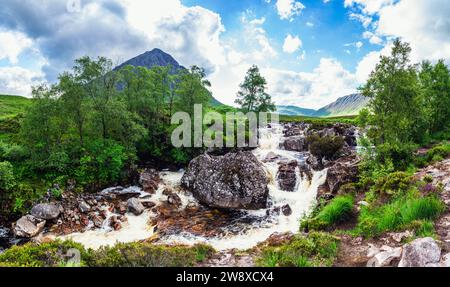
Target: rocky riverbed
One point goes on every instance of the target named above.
(234, 201)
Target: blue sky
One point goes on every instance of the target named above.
(310, 51)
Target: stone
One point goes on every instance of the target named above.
(446, 260)
(342, 171)
(398, 237)
(149, 180)
(84, 207)
(295, 143)
(420, 252)
(385, 257)
(28, 226)
(135, 206)
(174, 200)
(233, 181)
(286, 210)
(46, 211)
(287, 178)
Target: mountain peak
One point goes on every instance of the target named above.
(155, 57)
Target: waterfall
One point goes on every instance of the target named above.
(263, 223)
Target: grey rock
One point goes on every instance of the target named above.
(232, 181)
(46, 211)
(28, 226)
(84, 207)
(295, 143)
(287, 178)
(135, 206)
(385, 257)
(420, 252)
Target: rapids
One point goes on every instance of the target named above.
(246, 231)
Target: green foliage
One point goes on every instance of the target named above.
(52, 254)
(12, 106)
(7, 180)
(315, 249)
(325, 147)
(338, 210)
(393, 184)
(398, 214)
(252, 96)
(149, 255)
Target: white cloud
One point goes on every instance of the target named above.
(309, 24)
(369, 61)
(287, 9)
(365, 20)
(424, 24)
(18, 81)
(373, 39)
(327, 82)
(368, 6)
(291, 44)
(12, 44)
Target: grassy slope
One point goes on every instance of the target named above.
(10, 106)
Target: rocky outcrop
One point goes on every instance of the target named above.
(287, 178)
(232, 181)
(422, 252)
(340, 172)
(135, 206)
(46, 211)
(295, 143)
(28, 226)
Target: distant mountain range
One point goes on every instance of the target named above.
(344, 106)
(157, 57)
(348, 105)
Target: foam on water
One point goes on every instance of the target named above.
(301, 202)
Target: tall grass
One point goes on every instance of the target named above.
(338, 210)
(398, 214)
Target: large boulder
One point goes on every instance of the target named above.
(421, 252)
(287, 178)
(46, 211)
(342, 171)
(28, 226)
(385, 256)
(232, 181)
(295, 143)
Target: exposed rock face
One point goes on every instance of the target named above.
(46, 211)
(232, 181)
(421, 252)
(84, 207)
(287, 178)
(28, 226)
(342, 171)
(149, 180)
(135, 206)
(295, 143)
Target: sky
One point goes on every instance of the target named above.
(310, 51)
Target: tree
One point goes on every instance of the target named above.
(395, 98)
(252, 96)
(435, 86)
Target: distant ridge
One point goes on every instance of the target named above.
(344, 106)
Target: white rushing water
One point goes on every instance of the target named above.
(261, 227)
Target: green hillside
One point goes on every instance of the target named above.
(12, 105)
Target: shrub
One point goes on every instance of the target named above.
(325, 147)
(315, 249)
(51, 254)
(149, 255)
(339, 209)
(393, 184)
(401, 155)
(7, 180)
